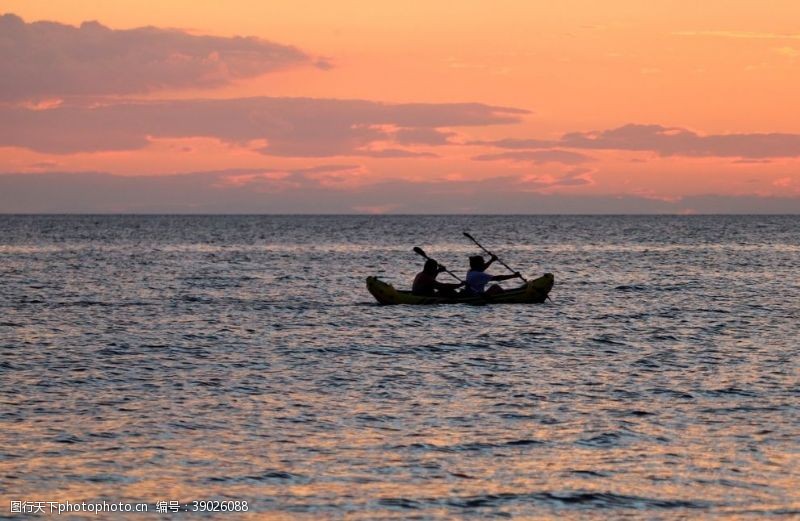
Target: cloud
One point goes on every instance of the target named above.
(547, 182)
(310, 190)
(790, 52)
(752, 161)
(279, 180)
(665, 141)
(538, 157)
(388, 153)
(48, 165)
(747, 35)
(293, 127)
(422, 136)
(674, 141)
(515, 144)
(576, 177)
(376, 209)
(345, 187)
(49, 59)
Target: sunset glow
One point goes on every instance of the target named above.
(354, 106)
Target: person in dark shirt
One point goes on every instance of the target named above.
(425, 282)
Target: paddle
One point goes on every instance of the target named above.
(420, 251)
(470, 237)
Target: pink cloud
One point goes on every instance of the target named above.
(311, 190)
(380, 209)
(516, 144)
(548, 181)
(294, 127)
(577, 176)
(49, 59)
(278, 180)
(389, 153)
(538, 157)
(665, 141)
(422, 136)
(674, 141)
(43, 165)
(751, 161)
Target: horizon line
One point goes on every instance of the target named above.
(332, 214)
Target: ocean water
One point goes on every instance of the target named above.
(146, 359)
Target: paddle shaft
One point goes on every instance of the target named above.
(470, 237)
(420, 251)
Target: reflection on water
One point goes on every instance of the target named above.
(181, 358)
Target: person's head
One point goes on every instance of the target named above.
(476, 263)
(431, 267)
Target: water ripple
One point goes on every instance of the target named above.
(166, 358)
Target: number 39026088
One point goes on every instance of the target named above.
(219, 506)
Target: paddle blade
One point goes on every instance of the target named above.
(468, 236)
(420, 251)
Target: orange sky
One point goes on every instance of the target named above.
(716, 82)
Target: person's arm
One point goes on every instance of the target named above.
(491, 260)
(498, 278)
(446, 285)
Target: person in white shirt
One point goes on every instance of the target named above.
(477, 278)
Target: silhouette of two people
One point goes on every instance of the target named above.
(425, 282)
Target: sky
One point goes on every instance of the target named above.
(525, 106)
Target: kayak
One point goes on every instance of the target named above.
(534, 291)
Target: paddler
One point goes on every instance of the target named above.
(477, 278)
(425, 282)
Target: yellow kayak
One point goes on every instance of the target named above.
(534, 291)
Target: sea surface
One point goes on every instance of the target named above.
(149, 359)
